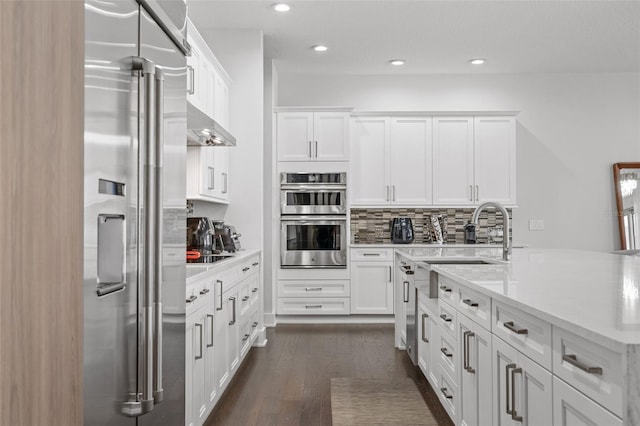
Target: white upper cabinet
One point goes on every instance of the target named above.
(208, 174)
(453, 161)
(391, 161)
(410, 153)
(474, 160)
(313, 136)
(207, 82)
(369, 180)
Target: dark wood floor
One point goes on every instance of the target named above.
(288, 382)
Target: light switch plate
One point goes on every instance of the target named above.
(536, 225)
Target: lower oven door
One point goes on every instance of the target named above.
(313, 242)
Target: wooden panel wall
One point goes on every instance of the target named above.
(41, 180)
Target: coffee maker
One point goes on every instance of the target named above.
(202, 239)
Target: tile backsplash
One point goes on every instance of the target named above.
(373, 226)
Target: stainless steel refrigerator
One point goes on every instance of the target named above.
(135, 216)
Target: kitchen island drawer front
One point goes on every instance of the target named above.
(448, 349)
(447, 318)
(448, 393)
(314, 306)
(313, 289)
(448, 290)
(593, 369)
(529, 334)
(572, 408)
(475, 305)
(371, 254)
(196, 294)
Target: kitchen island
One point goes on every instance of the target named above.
(551, 337)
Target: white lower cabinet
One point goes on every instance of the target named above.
(521, 388)
(195, 368)
(475, 375)
(210, 386)
(371, 287)
(572, 408)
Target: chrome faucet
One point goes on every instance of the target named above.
(506, 242)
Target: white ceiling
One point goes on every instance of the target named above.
(436, 37)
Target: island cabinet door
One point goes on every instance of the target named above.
(522, 388)
(572, 408)
(476, 374)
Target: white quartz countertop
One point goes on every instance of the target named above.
(194, 269)
(595, 295)
(491, 254)
(430, 245)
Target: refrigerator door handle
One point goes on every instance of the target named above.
(145, 401)
(158, 391)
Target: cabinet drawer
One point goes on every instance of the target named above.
(571, 407)
(448, 349)
(447, 318)
(593, 369)
(371, 254)
(253, 325)
(244, 296)
(197, 294)
(448, 393)
(249, 267)
(475, 305)
(245, 337)
(314, 306)
(324, 288)
(528, 334)
(448, 290)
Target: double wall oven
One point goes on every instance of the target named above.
(313, 221)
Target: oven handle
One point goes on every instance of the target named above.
(314, 188)
(330, 220)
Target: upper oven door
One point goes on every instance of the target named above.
(313, 242)
(313, 200)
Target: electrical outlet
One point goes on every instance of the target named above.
(536, 225)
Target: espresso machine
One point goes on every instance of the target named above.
(202, 242)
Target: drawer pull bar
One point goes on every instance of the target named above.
(371, 254)
(444, 351)
(405, 291)
(573, 360)
(509, 325)
(444, 318)
(424, 327)
(506, 388)
(514, 414)
(467, 364)
(445, 289)
(245, 269)
(204, 291)
(254, 324)
(313, 306)
(470, 303)
(255, 264)
(246, 336)
(313, 289)
(192, 298)
(244, 299)
(445, 393)
(255, 290)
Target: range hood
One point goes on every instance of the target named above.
(203, 130)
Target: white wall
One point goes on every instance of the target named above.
(571, 129)
(241, 55)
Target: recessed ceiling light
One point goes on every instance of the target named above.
(397, 62)
(281, 7)
(478, 61)
(320, 48)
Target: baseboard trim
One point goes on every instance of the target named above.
(270, 320)
(335, 319)
(261, 340)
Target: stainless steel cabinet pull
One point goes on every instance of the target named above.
(313, 306)
(210, 345)
(245, 269)
(466, 337)
(388, 192)
(445, 352)
(192, 73)
(313, 289)
(514, 414)
(424, 326)
(204, 291)
(444, 392)
(244, 299)
(309, 149)
(221, 303)
(371, 254)
(509, 325)
(199, 356)
(254, 324)
(477, 193)
(444, 317)
(192, 298)
(255, 290)
(445, 289)
(506, 389)
(226, 183)
(233, 321)
(470, 192)
(573, 360)
(405, 291)
(390, 274)
(255, 263)
(246, 336)
(470, 303)
(316, 149)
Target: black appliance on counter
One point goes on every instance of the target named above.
(470, 233)
(402, 230)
